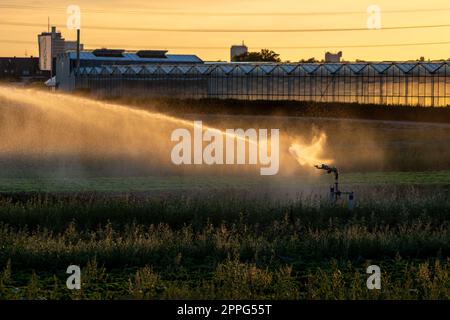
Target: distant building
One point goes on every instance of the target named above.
(21, 69)
(333, 57)
(50, 45)
(238, 50)
(387, 83)
(66, 62)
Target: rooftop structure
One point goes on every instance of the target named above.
(333, 57)
(237, 50)
(116, 56)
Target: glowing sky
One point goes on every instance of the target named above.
(197, 14)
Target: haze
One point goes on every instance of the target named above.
(21, 21)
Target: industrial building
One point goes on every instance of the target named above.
(51, 44)
(238, 50)
(333, 57)
(396, 83)
(25, 69)
(66, 65)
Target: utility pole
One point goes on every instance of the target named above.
(78, 52)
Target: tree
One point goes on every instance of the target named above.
(310, 60)
(265, 55)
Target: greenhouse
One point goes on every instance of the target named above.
(392, 83)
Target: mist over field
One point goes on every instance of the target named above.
(92, 182)
(49, 134)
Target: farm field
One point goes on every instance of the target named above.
(76, 190)
(174, 183)
(225, 243)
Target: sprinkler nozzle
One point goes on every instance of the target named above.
(328, 169)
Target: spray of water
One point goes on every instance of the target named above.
(310, 154)
(42, 124)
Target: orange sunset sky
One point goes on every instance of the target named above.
(101, 21)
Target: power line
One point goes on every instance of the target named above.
(193, 30)
(254, 47)
(212, 13)
(370, 45)
(17, 42)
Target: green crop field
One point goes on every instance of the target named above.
(174, 183)
(225, 243)
(93, 186)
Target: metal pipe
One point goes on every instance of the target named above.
(335, 193)
(78, 52)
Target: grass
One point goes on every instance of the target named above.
(211, 237)
(236, 280)
(285, 107)
(248, 247)
(171, 183)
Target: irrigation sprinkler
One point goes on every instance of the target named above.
(335, 193)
